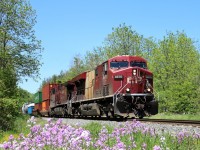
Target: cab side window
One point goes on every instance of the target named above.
(105, 68)
(96, 72)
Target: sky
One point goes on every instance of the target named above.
(72, 27)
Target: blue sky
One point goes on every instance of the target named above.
(70, 27)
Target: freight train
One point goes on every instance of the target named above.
(122, 86)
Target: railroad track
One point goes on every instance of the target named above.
(170, 121)
(167, 121)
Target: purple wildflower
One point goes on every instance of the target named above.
(156, 147)
(181, 136)
(196, 135)
(144, 146)
(11, 137)
(119, 146)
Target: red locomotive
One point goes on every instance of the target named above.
(121, 86)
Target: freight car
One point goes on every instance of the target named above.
(28, 108)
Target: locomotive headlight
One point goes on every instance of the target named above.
(148, 89)
(134, 72)
(127, 90)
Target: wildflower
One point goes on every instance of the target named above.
(152, 132)
(85, 134)
(144, 146)
(156, 147)
(59, 122)
(119, 146)
(6, 145)
(162, 139)
(181, 136)
(35, 129)
(11, 137)
(145, 131)
(134, 145)
(31, 121)
(49, 120)
(196, 135)
(54, 130)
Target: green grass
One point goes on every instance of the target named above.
(176, 116)
(20, 127)
(94, 128)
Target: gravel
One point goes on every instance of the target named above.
(160, 128)
(172, 129)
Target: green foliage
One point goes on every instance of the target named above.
(7, 83)
(94, 58)
(19, 48)
(9, 110)
(94, 128)
(123, 41)
(176, 67)
(77, 67)
(23, 96)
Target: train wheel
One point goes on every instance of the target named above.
(63, 112)
(140, 114)
(109, 111)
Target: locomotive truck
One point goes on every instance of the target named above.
(121, 86)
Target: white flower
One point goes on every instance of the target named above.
(162, 139)
(85, 134)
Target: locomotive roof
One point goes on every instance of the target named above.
(77, 78)
(127, 58)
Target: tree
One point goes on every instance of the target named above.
(19, 48)
(176, 67)
(123, 41)
(94, 58)
(77, 67)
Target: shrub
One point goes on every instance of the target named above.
(9, 110)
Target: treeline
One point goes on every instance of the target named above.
(174, 61)
(19, 57)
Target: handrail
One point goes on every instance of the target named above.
(118, 91)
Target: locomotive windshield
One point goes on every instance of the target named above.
(118, 64)
(138, 64)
